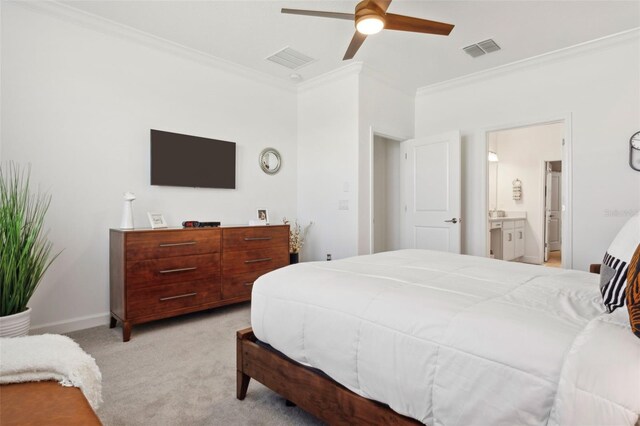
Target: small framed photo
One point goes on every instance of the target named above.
(263, 216)
(156, 220)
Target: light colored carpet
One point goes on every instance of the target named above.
(181, 371)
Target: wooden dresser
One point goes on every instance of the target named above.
(163, 273)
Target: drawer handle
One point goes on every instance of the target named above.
(162, 299)
(509, 234)
(257, 238)
(168, 271)
(248, 284)
(188, 243)
(264, 259)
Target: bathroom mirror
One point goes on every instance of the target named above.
(270, 161)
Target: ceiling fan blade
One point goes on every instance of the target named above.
(416, 25)
(320, 14)
(382, 4)
(355, 44)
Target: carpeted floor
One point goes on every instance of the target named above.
(181, 371)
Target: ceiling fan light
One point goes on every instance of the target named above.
(370, 24)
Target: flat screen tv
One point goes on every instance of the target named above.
(183, 160)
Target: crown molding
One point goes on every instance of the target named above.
(388, 81)
(624, 36)
(88, 20)
(354, 68)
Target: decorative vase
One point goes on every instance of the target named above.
(127, 211)
(15, 325)
(293, 258)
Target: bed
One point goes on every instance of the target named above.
(441, 339)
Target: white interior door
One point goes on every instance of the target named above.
(553, 214)
(430, 172)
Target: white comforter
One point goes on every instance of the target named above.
(457, 340)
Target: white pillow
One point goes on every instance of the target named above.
(613, 271)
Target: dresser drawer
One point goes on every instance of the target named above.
(240, 285)
(255, 238)
(159, 299)
(150, 245)
(146, 273)
(241, 262)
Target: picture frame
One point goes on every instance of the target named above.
(156, 220)
(263, 216)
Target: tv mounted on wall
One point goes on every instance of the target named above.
(183, 160)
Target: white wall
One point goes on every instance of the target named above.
(386, 111)
(78, 104)
(522, 153)
(338, 114)
(598, 85)
(327, 163)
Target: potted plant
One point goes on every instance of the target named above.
(296, 239)
(25, 252)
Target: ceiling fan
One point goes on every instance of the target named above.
(371, 17)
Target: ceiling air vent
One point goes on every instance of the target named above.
(474, 50)
(481, 48)
(290, 58)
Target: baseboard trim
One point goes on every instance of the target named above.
(74, 324)
(531, 259)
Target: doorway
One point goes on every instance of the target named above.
(527, 193)
(385, 194)
(553, 214)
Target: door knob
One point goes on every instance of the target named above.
(454, 220)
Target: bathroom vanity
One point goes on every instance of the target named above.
(507, 237)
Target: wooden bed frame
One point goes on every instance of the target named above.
(307, 388)
(311, 390)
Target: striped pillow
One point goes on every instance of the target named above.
(613, 281)
(633, 292)
(614, 268)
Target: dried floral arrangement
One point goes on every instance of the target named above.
(297, 234)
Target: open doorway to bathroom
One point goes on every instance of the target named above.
(525, 193)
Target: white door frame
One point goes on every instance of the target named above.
(543, 207)
(375, 131)
(567, 188)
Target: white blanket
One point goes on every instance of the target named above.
(50, 357)
(457, 340)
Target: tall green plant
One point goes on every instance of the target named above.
(25, 252)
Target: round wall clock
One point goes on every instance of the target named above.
(634, 151)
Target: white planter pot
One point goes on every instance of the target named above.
(15, 325)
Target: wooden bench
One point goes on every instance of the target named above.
(44, 403)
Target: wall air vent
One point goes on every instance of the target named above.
(290, 58)
(481, 48)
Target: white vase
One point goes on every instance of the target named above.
(15, 325)
(127, 211)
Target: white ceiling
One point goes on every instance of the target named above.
(246, 32)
